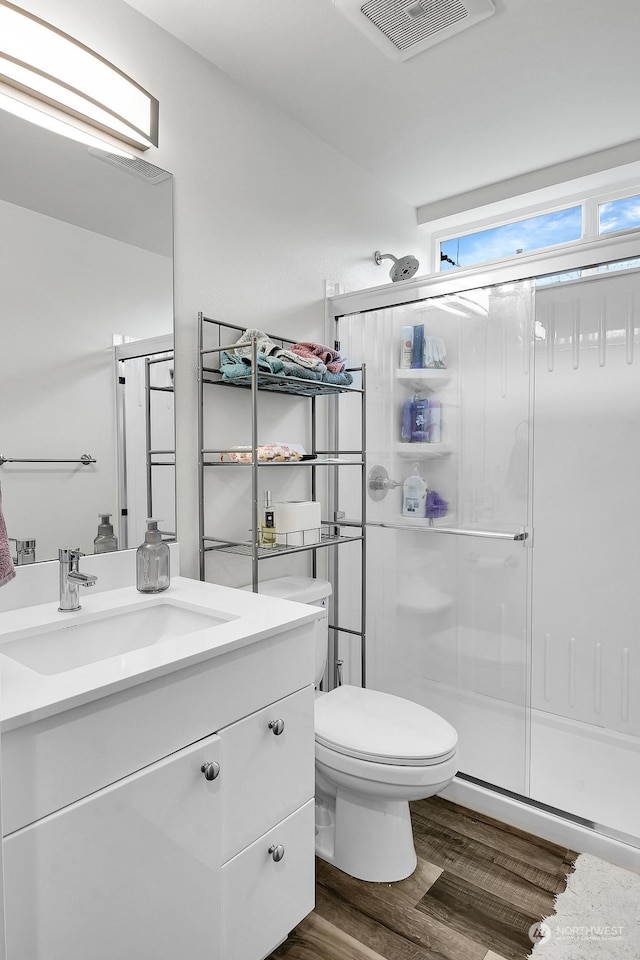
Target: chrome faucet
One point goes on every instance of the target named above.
(25, 551)
(71, 579)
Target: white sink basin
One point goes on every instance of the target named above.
(60, 647)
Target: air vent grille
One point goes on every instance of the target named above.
(404, 28)
(404, 24)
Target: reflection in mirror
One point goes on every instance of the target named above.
(85, 263)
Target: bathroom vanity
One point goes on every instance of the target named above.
(157, 801)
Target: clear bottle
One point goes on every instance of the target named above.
(267, 532)
(152, 561)
(106, 541)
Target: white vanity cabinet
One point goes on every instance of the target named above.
(131, 871)
(117, 845)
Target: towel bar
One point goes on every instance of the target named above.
(85, 458)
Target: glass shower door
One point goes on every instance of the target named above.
(448, 595)
(585, 736)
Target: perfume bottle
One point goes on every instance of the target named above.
(267, 534)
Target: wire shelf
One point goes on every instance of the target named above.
(297, 386)
(244, 549)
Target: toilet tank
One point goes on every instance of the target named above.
(313, 591)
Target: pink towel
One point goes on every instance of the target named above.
(331, 358)
(7, 571)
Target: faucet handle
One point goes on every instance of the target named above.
(66, 554)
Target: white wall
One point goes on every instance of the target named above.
(264, 212)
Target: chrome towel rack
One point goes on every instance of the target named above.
(85, 459)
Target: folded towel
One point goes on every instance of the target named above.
(337, 379)
(311, 362)
(331, 358)
(232, 366)
(7, 571)
(263, 344)
(291, 369)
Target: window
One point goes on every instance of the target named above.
(509, 239)
(593, 217)
(621, 214)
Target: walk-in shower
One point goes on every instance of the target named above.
(515, 615)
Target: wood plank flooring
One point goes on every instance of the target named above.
(478, 887)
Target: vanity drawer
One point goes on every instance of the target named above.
(267, 775)
(262, 900)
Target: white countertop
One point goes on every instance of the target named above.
(27, 696)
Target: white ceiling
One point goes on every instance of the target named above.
(540, 82)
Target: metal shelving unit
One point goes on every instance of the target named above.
(333, 533)
(151, 455)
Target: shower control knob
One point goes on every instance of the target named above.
(277, 852)
(277, 726)
(210, 770)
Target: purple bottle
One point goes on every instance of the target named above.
(420, 420)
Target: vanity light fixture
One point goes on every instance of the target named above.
(51, 79)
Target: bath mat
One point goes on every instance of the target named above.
(597, 916)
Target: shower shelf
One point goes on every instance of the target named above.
(423, 451)
(429, 377)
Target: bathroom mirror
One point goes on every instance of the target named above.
(86, 261)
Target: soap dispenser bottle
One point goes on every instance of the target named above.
(152, 561)
(414, 495)
(106, 541)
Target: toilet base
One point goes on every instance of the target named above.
(367, 839)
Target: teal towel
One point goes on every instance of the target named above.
(305, 373)
(232, 366)
(337, 379)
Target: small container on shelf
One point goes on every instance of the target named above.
(267, 532)
(406, 347)
(298, 522)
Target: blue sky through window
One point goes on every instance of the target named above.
(619, 214)
(507, 240)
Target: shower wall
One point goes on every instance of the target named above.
(530, 648)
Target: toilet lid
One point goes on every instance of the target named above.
(382, 728)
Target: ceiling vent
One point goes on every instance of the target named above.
(404, 28)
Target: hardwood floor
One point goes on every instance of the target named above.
(478, 887)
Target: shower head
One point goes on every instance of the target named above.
(402, 269)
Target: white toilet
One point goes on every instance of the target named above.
(374, 753)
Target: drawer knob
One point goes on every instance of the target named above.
(277, 852)
(210, 770)
(277, 726)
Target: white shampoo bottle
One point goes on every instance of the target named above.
(414, 495)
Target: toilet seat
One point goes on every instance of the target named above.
(382, 728)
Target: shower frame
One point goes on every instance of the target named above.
(520, 811)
